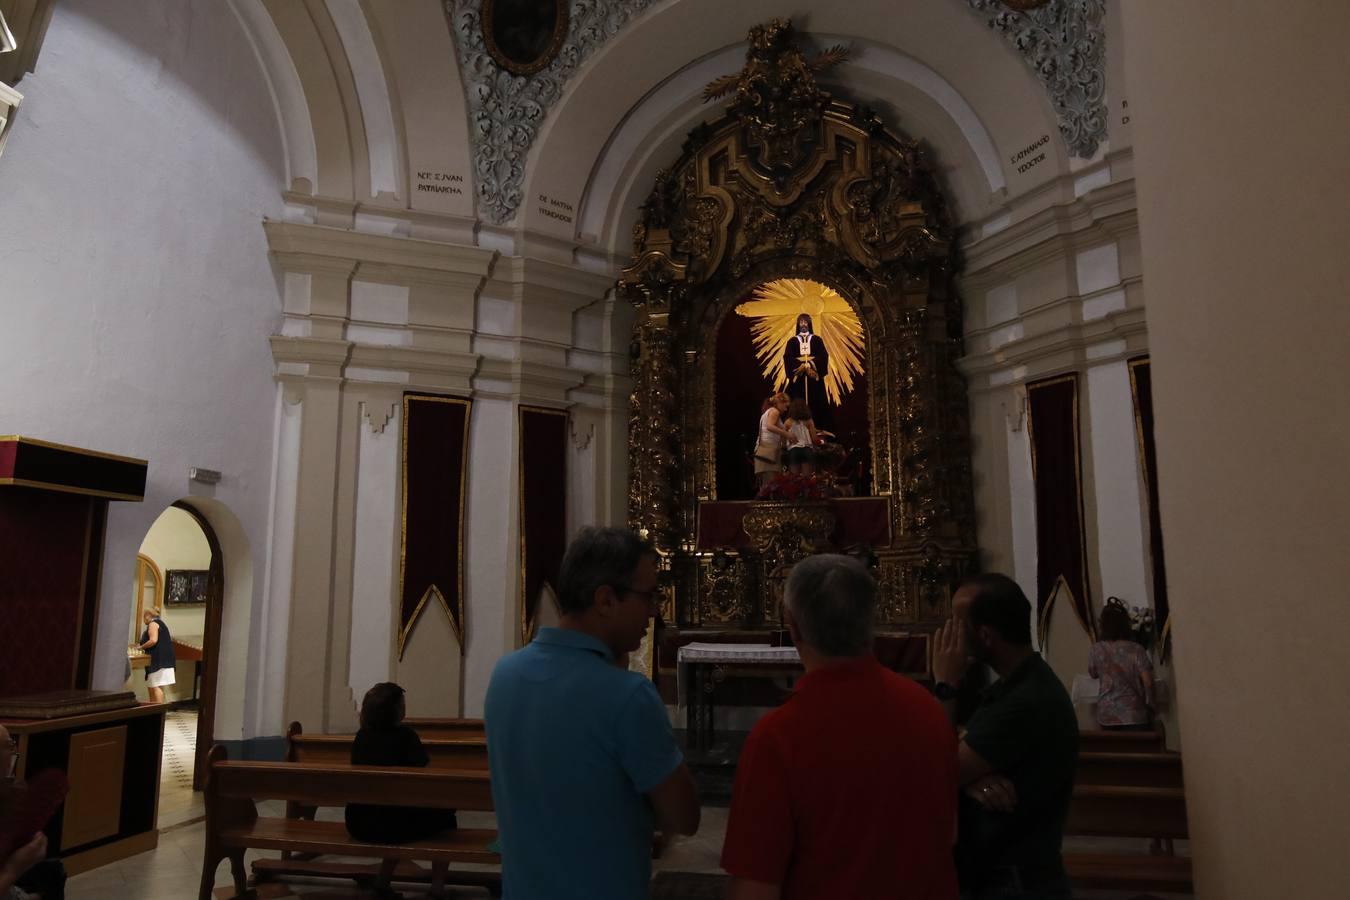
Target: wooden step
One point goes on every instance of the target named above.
(1115, 811)
(1129, 769)
(1170, 874)
(1101, 741)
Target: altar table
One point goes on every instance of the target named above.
(704, 666)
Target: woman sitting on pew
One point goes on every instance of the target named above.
(385, 741)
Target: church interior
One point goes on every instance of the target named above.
(327, 324)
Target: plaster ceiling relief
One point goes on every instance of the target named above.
(506, 110)
(1064, 42)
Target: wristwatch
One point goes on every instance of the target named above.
(944, 691)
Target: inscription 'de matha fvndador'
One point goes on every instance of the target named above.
(555, 208)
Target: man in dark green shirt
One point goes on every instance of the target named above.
(1018, 750)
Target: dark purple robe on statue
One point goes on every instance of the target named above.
(797, 384)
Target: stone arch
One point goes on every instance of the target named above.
(897, 41)
(227, 627)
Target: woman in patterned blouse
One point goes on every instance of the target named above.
(1125, 698)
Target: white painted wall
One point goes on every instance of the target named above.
(176, 541)
(492, 550)
(1022, 507)
(1242, 204)
(137, 294)
(1118, 485)
(374, 567)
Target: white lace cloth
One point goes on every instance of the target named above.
(737, 653)
(727, 653)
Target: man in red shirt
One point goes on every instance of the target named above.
(849, 788)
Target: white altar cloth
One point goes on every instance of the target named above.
(737, 653)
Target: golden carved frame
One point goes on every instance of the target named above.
(792, 182)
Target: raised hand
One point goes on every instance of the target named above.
(950, 660)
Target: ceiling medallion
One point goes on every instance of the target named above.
(524, 36)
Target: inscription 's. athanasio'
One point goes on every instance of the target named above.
(1064, 42)
(505, 110)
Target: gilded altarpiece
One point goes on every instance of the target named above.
(792, 182)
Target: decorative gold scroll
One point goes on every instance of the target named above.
(792, 183)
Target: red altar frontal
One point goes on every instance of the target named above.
(859, 522)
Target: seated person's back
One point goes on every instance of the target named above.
(385, 741)
(848, 789)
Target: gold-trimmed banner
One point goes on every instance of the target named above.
(1056, 467)
(435, 467)
(543, 508)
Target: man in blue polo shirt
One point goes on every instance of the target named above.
(584, 762)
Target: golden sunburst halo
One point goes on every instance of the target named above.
(775, 305)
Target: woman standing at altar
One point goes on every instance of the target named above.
(769, 444)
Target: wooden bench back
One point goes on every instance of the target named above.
(1117, 811)
(336, 750)
(1129, 769)
(430, 727)
(314, 785)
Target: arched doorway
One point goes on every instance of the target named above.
(179, 571)
(791, 183)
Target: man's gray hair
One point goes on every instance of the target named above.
(833, 600)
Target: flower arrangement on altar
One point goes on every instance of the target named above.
(1141, 625)
(795, 487)
(1142, 630)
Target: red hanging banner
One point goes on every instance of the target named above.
(543, 508)
(1056, 466)
(435, 463)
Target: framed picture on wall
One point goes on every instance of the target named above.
(185, 587)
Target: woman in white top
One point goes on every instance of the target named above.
(769, 445)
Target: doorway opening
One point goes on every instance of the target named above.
(179, 585)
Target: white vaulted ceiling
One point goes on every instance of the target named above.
(371, 102)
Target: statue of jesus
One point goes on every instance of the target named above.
(806, 363)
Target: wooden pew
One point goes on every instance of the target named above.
(336, 750)
(446, 728)
(233, 824)
(463, 752)
(1129, 769)
(1128, 811)
(1102, 741)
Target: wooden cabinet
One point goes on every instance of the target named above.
(112, 760)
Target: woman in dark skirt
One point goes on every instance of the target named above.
(385, 741)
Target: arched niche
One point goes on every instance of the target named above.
(792, 182)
